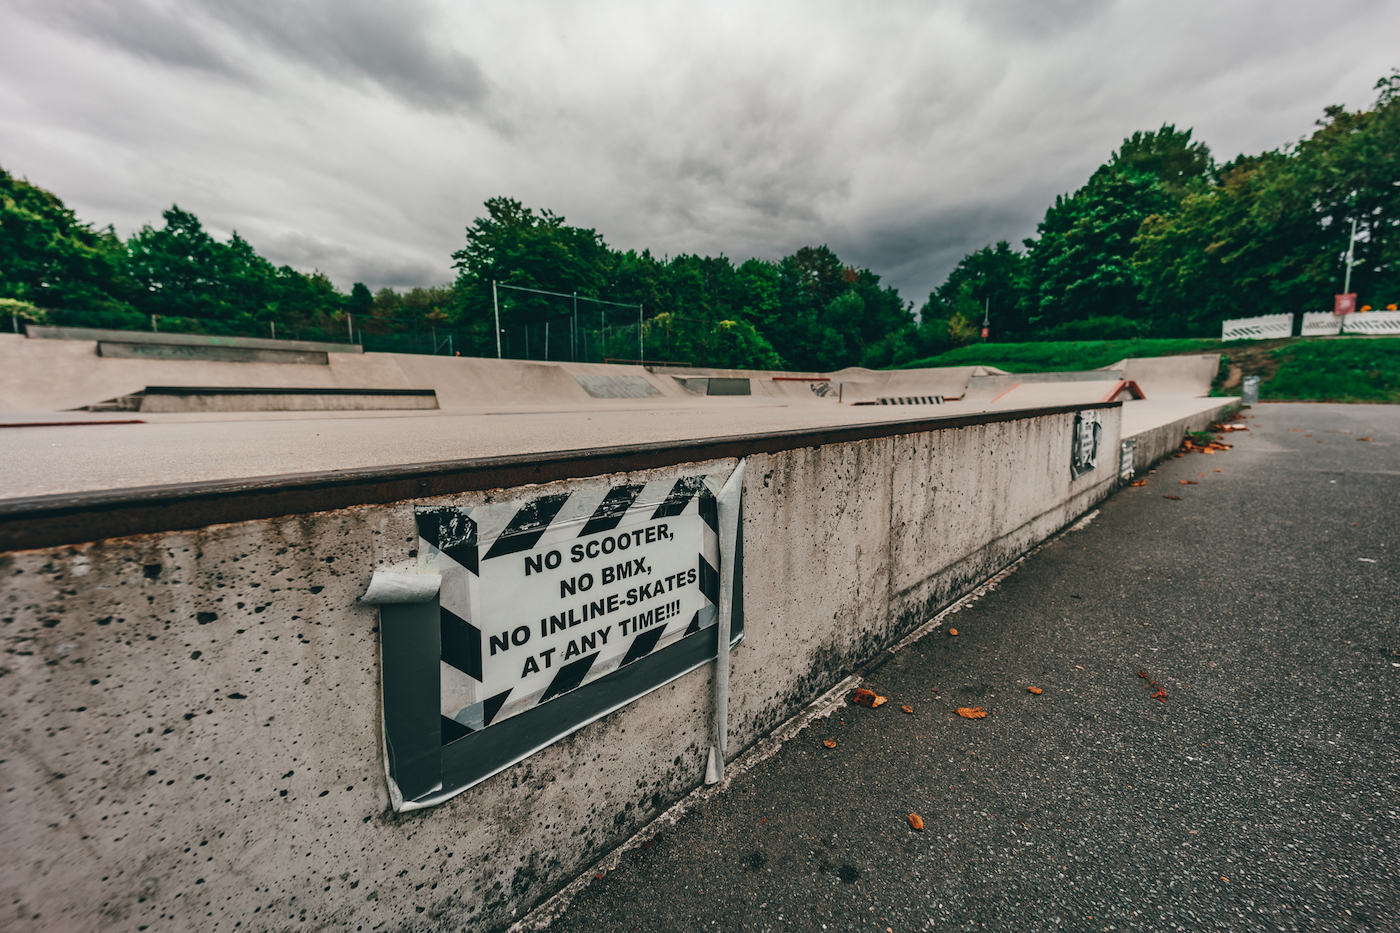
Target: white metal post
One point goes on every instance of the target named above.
(496, 307)
(1351, 252)
(641, 346)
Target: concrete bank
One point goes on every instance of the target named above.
(191, 694)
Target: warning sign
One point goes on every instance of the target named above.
(543, 595)
(1084, 443)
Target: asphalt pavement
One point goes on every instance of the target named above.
(1259, 790)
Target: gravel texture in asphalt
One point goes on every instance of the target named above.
(1259, 791)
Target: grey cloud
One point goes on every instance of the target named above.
(147, 29)
(1033, 19)
(388, 45)
(378, 265)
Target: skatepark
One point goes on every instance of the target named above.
(201, 693)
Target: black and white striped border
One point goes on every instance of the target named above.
(454, 541)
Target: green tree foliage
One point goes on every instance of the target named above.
(51, 259)
(1163, 242)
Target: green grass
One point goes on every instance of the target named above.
(1349, 370)
(1062, 356)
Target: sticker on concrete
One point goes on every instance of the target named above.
(543, 595)
(1084, 445)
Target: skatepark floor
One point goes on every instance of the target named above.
(97, 454)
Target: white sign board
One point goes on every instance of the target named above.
(543, 595)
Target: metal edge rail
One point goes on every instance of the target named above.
(75, 518)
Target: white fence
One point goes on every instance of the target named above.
(1320, 324)
(1268, 327)
(1379, 323)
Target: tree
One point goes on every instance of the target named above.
(51, 259)
(1081, 265)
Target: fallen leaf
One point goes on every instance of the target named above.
(1299, 430)
(599, 876)
(1080, 666)
(651, 842)
(1202, 474)
(952, 631)
(975, 712)
(916, 821)
(1189, 482)
(907, 709)
(829, 743)
(1036, 690)
(1217, 471)
(1141, 482)
(1177, 498)
(868, 698)
(1363, 438)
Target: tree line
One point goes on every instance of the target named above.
(1161, 241)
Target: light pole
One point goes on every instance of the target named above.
(496, 308)
(1351, 253)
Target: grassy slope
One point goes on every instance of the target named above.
(1062, 356)
(1354, 370)
(1343, 370)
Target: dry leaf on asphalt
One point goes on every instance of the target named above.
(1036, 690)
(1363, 438)
(1189, 482)
(907, 709)
(829, 743)
(1141, 482)
(916, 821)
(975, 712)
(868, 698)
(952, 631)
(1177, 498)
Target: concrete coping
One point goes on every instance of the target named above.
(274, 390)
(74, 518)
(48, 332)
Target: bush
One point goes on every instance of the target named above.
(1098, 328)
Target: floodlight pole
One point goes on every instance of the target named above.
(641, 345)
(1351, 253)
(573, 332)
(496, 308)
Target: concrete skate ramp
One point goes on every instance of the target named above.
(987, 387)
(60, 375)
(1171, 376)
(1086, 392)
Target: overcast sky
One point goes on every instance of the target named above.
(360, 137)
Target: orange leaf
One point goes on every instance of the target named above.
(829, 743)
(1363, 438)
(952, 631)
(1177, 498)
(1036, 690)
(907, 709)
(868, 698)
(916, 821)
(1141, 482)
(975, 712)
(1189, 482)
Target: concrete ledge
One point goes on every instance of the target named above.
(46, 332)
(47, 521)
(1155, 443)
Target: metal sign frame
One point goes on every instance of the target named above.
(431, 758)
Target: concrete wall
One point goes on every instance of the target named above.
(191, 721)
